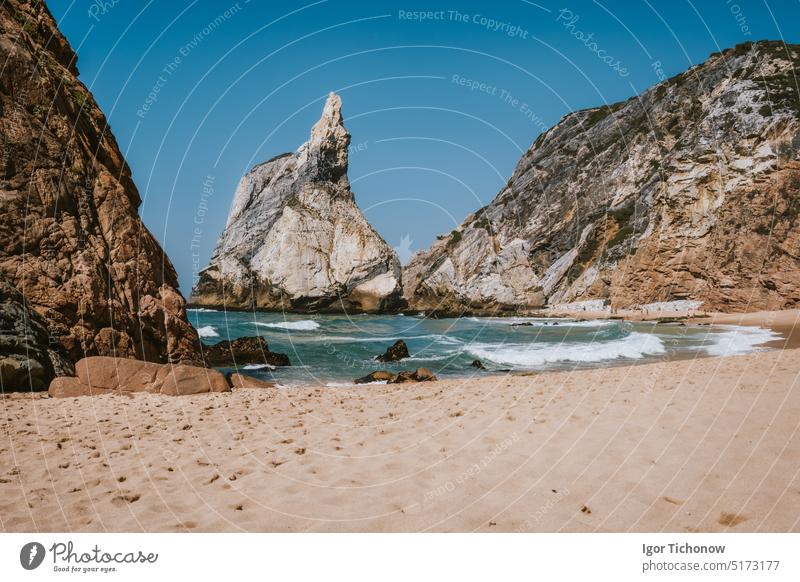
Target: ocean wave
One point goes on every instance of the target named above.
(541, 322)
(430, 358)
(258, 367)
(207, 331)
(739, 340)
(203, 310)
(304, 325)
(634, 346)
(368, 338)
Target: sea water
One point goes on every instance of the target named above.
(335, 349)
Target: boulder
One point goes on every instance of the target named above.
(180, 380)
(69, 386)
(107, 375)
(376, 376)
(418, 375)
(243, 351)
(242, 381)
(478, 364)
(395, 353)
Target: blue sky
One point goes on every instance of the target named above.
(440, 105)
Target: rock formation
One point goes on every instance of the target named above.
(295, 239)
(396, 352)
(239, 381)
(71, 239)
(689, 191)
(404, 377)
(104, 375)
(29, 357)
(241, 352)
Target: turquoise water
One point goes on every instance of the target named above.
(335, 349)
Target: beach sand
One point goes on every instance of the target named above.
(706, 444)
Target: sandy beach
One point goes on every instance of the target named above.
(707, 444)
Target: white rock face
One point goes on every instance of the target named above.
(295, 238)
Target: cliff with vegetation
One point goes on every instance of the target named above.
(689, 191)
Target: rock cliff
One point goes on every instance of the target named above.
(296, 240)
(689, 191)
(29, 357)
(71, 239)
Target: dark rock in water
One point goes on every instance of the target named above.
(242, 352)
(108, 375)
(418, 375)
(29, 357)
(72, 240)
(376, 376)
(523, 324)
(396, 352)
(478, 364)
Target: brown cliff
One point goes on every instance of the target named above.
(71, 239)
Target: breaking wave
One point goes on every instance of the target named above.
(304, 325)
(739, 340)
(634, 346)
(207, 331)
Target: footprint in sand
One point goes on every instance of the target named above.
(731, 519)
(125, 498)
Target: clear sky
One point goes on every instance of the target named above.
(440, 106)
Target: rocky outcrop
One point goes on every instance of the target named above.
(295, 239)
(404, 377)
(396, 352)
(240, 381)
(687, 192)
(418, 375)
(29, 357)
(242, 352)
(71, 239)
(105, 375)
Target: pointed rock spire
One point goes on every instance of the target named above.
(295, 238)
(325, 153)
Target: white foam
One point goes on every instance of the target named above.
(373, 338)
(258, 367)
(203, 310)
(634, 346)
(587, 323)
(431, 358)
(207, 331)
(541, 322)
(739, 340)
(303, 325)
